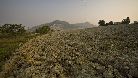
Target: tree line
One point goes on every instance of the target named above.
(12, 29)
(124, 21)
(8, 30)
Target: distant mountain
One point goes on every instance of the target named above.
(58, 22)
(84, 25)
(63, 25)
(59, 25)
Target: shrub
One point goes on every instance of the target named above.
(43, 30)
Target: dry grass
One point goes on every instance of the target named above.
(110, 52)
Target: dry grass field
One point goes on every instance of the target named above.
(100, 52)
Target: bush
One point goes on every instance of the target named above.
(101, 23)
(43, 30)
(12, 29)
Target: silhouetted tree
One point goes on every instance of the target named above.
(101, 23)
(111, 23)
(126, 21)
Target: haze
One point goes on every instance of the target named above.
(35, 12)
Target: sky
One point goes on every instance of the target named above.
(36, 12)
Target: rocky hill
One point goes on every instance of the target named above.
(63, 25)
(84, 25)
(100, 52)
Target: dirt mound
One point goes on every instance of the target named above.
(89, 53)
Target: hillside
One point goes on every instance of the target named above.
(99, 52)
(63, 25)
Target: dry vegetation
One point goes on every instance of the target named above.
(100, 52)
(8, 45)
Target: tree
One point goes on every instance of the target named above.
(12, 29)
(43, 30)
(126, 21)
(111, 23)
(101, 23)
(135, 22)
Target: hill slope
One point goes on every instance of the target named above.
(88, 53)
(63, 25)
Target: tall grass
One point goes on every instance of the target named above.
(8, 45)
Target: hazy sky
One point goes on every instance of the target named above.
(35, 12)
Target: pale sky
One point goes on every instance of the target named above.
(35, 12)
